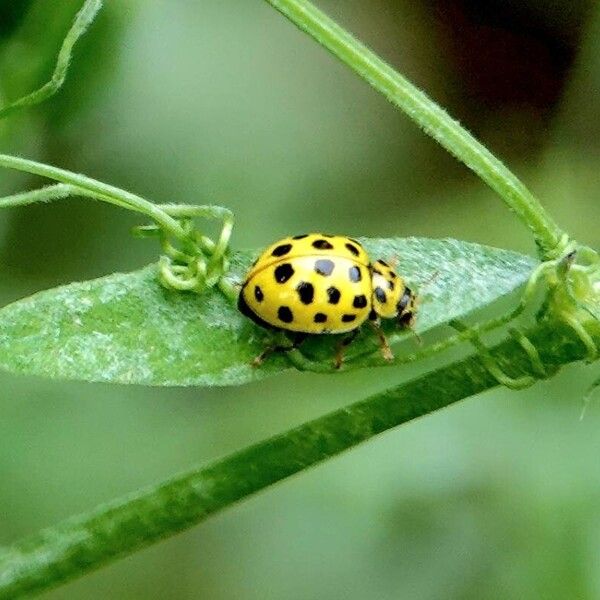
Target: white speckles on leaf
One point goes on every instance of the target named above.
(112, 292)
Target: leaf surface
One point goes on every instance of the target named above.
(126, 328)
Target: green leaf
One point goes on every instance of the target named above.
(126, 328)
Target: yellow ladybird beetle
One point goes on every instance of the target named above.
(314, 284)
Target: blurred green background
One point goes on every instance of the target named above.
(225, 102)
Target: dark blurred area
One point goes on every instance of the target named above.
(11, 16)
(509, 59)
(227, 103)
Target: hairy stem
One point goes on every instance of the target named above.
(82, 21)
(430, 117)
(167, 218)
(49, 193)
(119, 528)
(87, 186)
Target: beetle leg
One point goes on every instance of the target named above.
(297, 341)
(341, 347)
(386, 351)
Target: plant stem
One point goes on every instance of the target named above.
(166, 217)
(58, 191)
(82, 21)
(430, 117)
(98, 190)
(119, 528)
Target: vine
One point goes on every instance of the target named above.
(81, 23)
(191, 260)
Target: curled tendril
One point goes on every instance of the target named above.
(565, 246)
(196, 263)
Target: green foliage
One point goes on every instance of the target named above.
(130, 328)
(126, 328)
(89, 540)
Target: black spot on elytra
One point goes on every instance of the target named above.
(360, 301)
(391, 285)
(382, 262)
(380, 295)
(281, 250)
(306, 291)
(248, 312)
(333, 294)
(324, 266)
(393, 275)
(378, 272)
(285, 314)
(258, 294)
(300, 237)
(355, 274)
(373, 315)
(402, 304)
(283, 272)
(322, 245)
(320, 318)
(404, 301)
(348, 318)
(353, 249)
